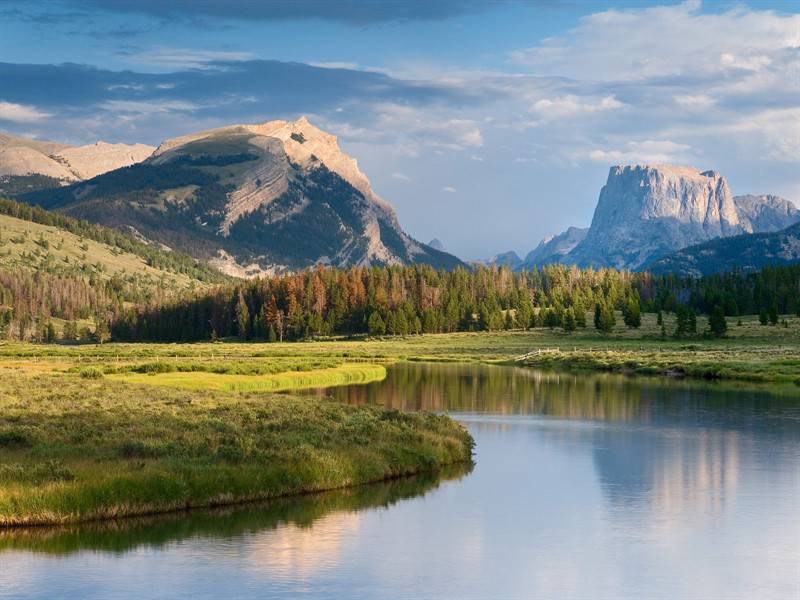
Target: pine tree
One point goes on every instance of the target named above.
(717, 324)
(375, 324)
(568, 322)
(242, 317)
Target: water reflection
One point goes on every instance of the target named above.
(585, 486)
(328, 513)
(661, 445)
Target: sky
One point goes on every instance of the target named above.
(488, 124)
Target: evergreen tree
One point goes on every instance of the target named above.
(375, 324)
(568, 322)
(717, 324)
(604, 318)
(632, 311)
(242, 317)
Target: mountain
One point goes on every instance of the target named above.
(27, 164)
(646, 212)
(553, 249)
(746, 252)
(765, 213)
(252, 199)
(436, 244)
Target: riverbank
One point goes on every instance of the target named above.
(750, 352)
(74, 448)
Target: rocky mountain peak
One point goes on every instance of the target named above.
(307, 146)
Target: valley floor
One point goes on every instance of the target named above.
(100, 431)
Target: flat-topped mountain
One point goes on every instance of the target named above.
(646, 212)
(25, 158)
(252, 199)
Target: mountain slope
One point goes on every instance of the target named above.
(553, 249)
(765, 212)
(747, 252)
(253, 199)
(42, 242)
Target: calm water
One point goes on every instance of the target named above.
(584, 487)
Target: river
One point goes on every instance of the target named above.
(584, 486)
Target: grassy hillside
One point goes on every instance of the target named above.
(115, 250)
(43, 248)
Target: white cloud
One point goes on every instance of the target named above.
(449, 189)
(21, 113)
(148, 107)
(400, 176)
(184, 58)
(649, 151)
(694, 101)
(572, 105)
(667, 41)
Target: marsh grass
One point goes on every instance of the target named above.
(73, 449)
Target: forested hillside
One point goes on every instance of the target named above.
(420, 299)
(55, 267)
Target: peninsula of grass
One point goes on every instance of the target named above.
(76, 448)
(345, 374)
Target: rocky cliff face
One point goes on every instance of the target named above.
(647, 211)
(253, 199)
(20, 157)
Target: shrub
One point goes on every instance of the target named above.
(91, 373)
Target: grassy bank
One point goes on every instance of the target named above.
(74, 448)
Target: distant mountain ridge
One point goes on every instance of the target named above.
(646, 212)
(251, 199)
(21, 157)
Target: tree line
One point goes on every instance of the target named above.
(399, 300)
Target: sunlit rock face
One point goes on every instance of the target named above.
(647, 211)
(22, 157)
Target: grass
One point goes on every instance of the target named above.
(345, 374)
(75, 449)
(751, 352)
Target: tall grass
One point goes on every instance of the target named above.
(74, 449)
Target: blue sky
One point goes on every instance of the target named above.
(487, 124)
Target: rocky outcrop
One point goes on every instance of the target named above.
(21, 157)
(555, 248)
(765, 213)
